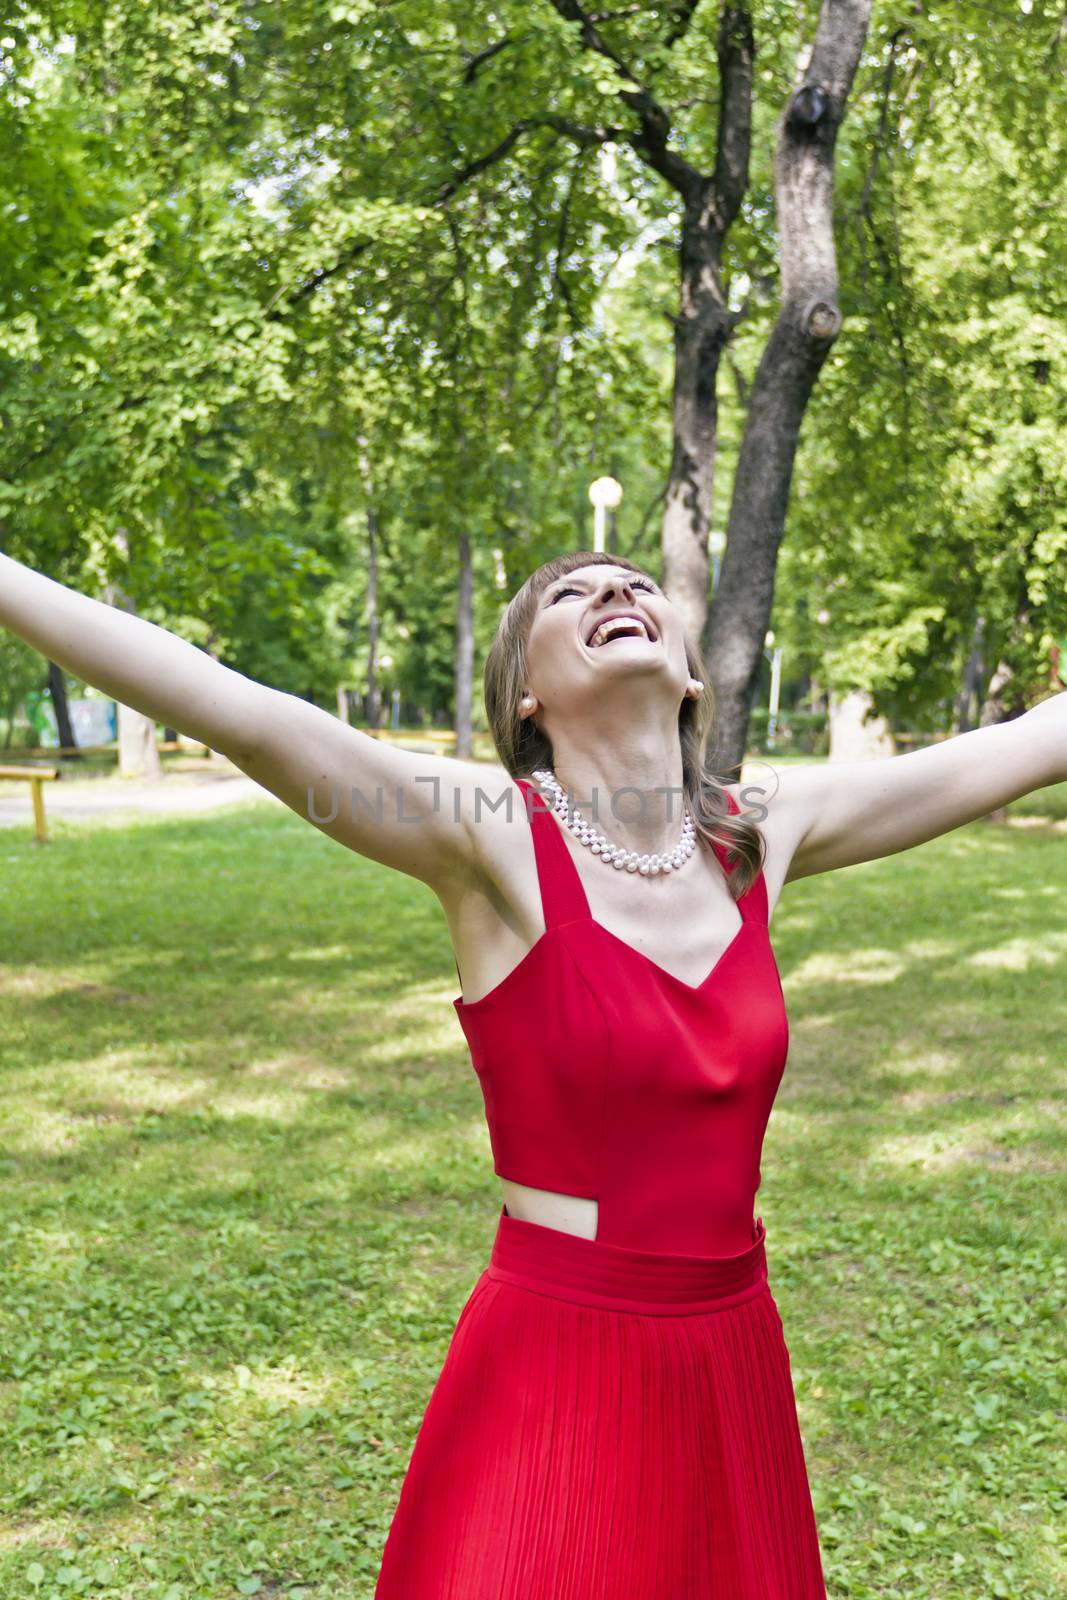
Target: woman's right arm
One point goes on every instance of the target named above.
(417, 813)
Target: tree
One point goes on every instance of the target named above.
(928, 521)
(268, 238)
(625, 68)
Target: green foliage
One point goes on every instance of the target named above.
(22, 671)
(241, 246)
(931, 489)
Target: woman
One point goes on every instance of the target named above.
(615, 1417)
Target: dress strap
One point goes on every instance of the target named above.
(753, 904)
(562, 897)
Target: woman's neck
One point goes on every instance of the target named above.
(630, 790)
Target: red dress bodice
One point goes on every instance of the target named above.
(606, 1077)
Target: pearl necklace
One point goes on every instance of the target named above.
(614, 855)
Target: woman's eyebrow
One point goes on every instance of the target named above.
(568, 581)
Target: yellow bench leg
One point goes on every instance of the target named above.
(38, 810)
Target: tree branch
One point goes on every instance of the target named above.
(1052, 59)
(591, 37)
(740, 382)
(476, 62)
(582, 135)
(445, 193)
(481, 163)
(646, 519)
(683, 14)
(558, 275)
(863, 216)
(463, 321)
(736, 50)
(863, 209)
(651, 142)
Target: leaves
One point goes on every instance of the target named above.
(233, 242)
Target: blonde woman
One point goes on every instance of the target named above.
(615, 1418)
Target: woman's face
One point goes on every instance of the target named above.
(601, 632)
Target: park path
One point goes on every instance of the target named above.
(187, 792)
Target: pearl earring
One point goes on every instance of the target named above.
(526, 703)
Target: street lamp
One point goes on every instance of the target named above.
(385, 662)
(717, 546)
(606, 495)
(775, 657)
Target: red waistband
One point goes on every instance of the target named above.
(552, 1262)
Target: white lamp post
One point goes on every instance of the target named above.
(776, 683)
(385, 662)
(606, 495)
(717, 546)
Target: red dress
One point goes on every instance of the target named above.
(615, 1418)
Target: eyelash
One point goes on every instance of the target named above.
(635, 583)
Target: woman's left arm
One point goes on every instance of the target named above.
(842, 813)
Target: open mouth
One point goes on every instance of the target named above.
(624, 627)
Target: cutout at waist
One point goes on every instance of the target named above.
(573, 1214)
(616, 1277)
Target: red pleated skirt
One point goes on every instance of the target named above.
(609, 1424)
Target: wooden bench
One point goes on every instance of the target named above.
(35, 776)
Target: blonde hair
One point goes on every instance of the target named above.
(523, 747)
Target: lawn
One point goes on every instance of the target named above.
(246, 1188)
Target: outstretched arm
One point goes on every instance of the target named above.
(131, 659)
(409, 811)
(842, 813)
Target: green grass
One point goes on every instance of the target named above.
(246, 1188)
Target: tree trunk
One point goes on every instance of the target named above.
(701, 330)
(57, 688)
(373, 700)
(1005, 696)
(138, 753)
(464, 668)
(1001, 704)
(854, 734)
(703, 325)
(806, 326)
(968, 704)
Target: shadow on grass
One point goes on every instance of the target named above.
(242, 1131)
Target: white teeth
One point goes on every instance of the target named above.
(607, 629)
